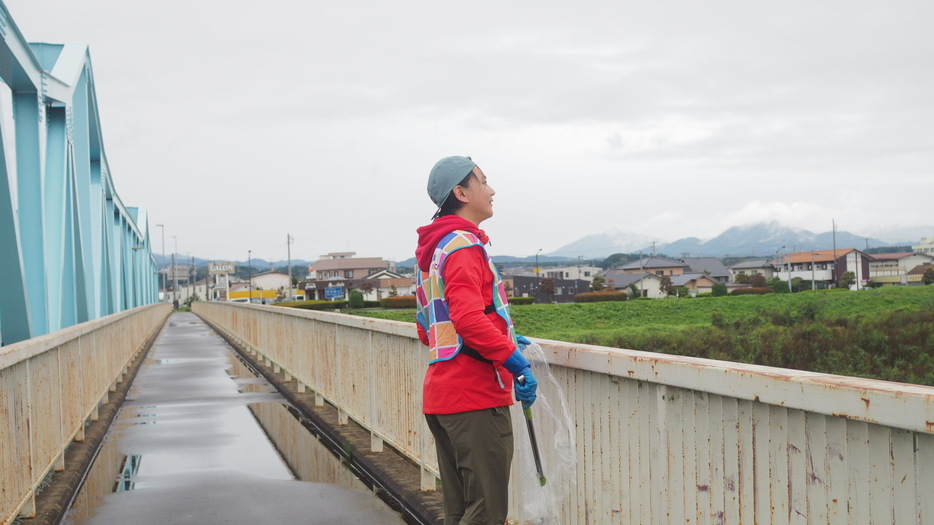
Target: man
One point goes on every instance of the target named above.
(475, 358)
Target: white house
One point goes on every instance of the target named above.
(585, 273)
(892, 268)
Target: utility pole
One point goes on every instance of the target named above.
(162, 260)
(288, 242)
(174, 272)
(249, 263)
(833, 269)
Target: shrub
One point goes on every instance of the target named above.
(718, 290)
(596, 297)
(521, 300)
(356, 299)
(752, 291)
(316, 305)
(401, 301)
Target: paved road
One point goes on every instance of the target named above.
(195, 454)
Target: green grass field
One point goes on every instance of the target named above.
(886, 333)
(579, 322)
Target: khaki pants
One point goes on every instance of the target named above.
(474, 453)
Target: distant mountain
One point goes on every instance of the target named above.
(602, 245)
(762, 240)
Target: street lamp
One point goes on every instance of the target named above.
(174, 272)
(162, 265)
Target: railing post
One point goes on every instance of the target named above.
(376, 442)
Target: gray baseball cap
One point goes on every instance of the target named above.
(447, 173)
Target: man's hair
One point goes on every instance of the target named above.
(451, 204)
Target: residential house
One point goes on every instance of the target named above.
(926, 246)
(375, 286)
(761, 267)
(660, 266)
(345, 266)
(645, 284)
(586, 273)
(890, 269)
(916, 274)
(821, 267)
(695, 282)
(565, 289)
(709, 266)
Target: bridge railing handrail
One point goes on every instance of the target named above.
(660, 438)
(51, 385)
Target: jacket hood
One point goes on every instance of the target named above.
(430, 234)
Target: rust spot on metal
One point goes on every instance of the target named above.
(731, 484)
(631, 373)
(756, 399)
(816, 480)
(865, 400)
(703, 488)
(929, 426)
(792, 448)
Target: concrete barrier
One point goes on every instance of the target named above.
(51, 385)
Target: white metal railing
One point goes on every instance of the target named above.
(49, 387)
(660, 438)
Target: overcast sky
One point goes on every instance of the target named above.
(236, 123)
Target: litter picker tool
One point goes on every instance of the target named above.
(528, 422)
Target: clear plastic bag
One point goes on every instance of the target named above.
(555, 434)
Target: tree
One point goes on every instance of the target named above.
(666, 286)
(633, 291)
(928, 276)
(366, 287)
(847, 280)
(547, 286)
(598, 283)
(742, 278)
(758, 280)
(778, 285)
(796, 284)
(393, 292)
(718, 290)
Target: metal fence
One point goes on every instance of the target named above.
(49, 387)
(660, 438)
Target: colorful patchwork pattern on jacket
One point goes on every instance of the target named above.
(443, 341)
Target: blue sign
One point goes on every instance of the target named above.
(333, 293)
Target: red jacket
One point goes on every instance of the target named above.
(464, 383)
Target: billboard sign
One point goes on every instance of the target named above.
(220, 267)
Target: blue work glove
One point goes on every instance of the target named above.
(526, 387)
(523, 342)
(519, 366)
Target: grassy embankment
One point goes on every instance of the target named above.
(887, 333)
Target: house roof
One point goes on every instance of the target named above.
(384, 274)
(349, 263)
(624, 280)
(818, 256)
(896, 256)
(684, 278)
(653, 262)
(709, 265)
(920, 269)
(758, 263)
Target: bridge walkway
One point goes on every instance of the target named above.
(186, 447)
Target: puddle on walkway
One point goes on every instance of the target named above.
(186, 448)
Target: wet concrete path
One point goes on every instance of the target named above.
(185, 448)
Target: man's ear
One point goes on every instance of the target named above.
(460, 194)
